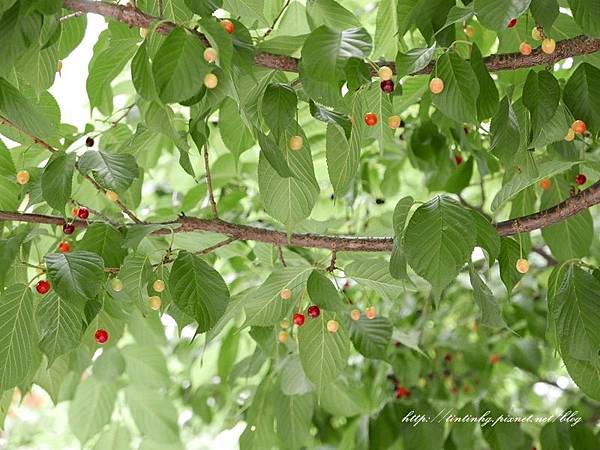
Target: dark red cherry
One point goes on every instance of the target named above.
(68, 228)
(313, 311)
(387, 86)
(42, 287)
(101, 336)
(83, 213)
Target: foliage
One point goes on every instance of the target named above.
(230, 181)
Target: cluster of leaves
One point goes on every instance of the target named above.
(503, 132)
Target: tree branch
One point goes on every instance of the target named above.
(580, 45)
(209, 185)
(556, 214)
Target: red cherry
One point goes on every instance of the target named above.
(42, 287)
(580, 179)
(64, 247)
(402, 392)
(494, 359)
(430, 375)
(299, 319)
(101, 336)
(228, 25)
(387, 86)
(458, 159)
(89, 141)
(371, 119)
(313, 311)
(447, 358)
(68, 228)
(83, 213)
(512, 22)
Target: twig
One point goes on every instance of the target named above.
(218, 245)
(281, 11)
(37, 140)
(281, 258)
(72, 15)
(550, 260)
(332, 266)
(577, 46)
(211, 195)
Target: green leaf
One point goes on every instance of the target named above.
(374, 274)
(198, 290)
(325, 51)
(345, 398)
(20, 111)
(291, 199)
(582, 95)
(555, 436)
(146, 365)
(178, 67)
(112, 171)
(505, 130)
(490, 311)
(323, 293)
(525, 354)
(401, 212)
(57, 180)
(106, 241)
(235, 135)
(116, 437)
(331, 14)
(60, 323)
(294, 419)
(572, 237)
(141, 74)
(510, 252)
(426, 438)
(135, 275)
(219, 39)
(574, 312)
(413, 60)
(496, 14)
(486, 237)
(275, 156)
(91, 408)
(264, 306)
(503, 435)
(522, 181)
(487, 101)
(585, 374)
(323, 354)
(342, 159)
(17, 334)
(545, 12)
(371, 337)
(279, 107)
(386, 27)
(458, 100)
(541, 95)
(79, 273)
(585, 13)
(293, 378)
(71, 35)
(439, 240)
(155, 416)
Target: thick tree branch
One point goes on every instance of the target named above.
(556, 214)
(580, 45)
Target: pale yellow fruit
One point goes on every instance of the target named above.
(385, 73)
(355, 314)
(112, 196)
(436, 85)
(525, 49)
(286, 294)
(116, 285)
(371, 313)
(283, 336)
(570, 135)
(144, 33)
(22, 177)
(285, 323)
(469, 31)
(394, 122)
(159, 286)
(522, 265)
(210, 55)
(211, 81)
(59, 66)
(154, 302)
(548, 46)
(296, 143)
(537, 33)
(333, 326)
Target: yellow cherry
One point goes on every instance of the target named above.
(436, 85)
(525, 49)
(570, 135)
(385, 73)
(154, 302)
(285, 294)
(394, 122)
(144, 33)
(158, 286)
(548, 46)
(211, 81)
(116, 285)
(371, 312)
(112, 196)
(210, 55)
(469, 31)
(355, 314)
(23, 177)
(296, 143)
(285, 323)
(283, 336)
(333, 326)
(537, 33)
(522, 265)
